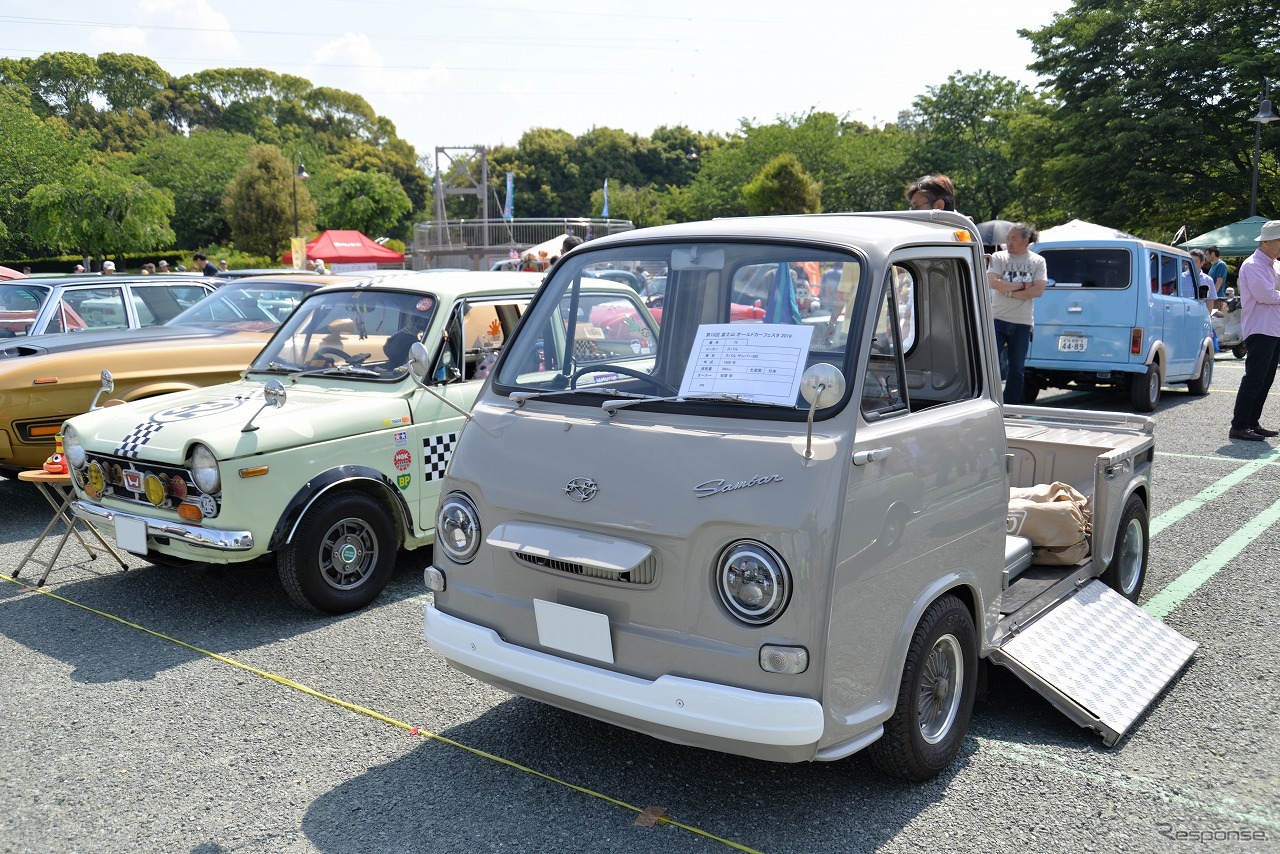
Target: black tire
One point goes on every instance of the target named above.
(935, 699)
(1200, 385)
(1128, 567)
(341, 556)
(1144, 391)
(1239, 351)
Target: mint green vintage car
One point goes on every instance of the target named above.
(330, 450)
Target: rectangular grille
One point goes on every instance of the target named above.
(179, 484)
(645, 573)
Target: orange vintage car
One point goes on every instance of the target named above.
(45, 380)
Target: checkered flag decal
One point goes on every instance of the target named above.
(436, 451)
(131, 445)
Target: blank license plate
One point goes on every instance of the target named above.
(1072, 343)
(573, 630)
(131, 535)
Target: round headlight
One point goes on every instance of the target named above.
(458, 528)
(753, 582)
(204, 469)
(71, 446)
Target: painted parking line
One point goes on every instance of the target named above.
(1184, 509)
(1207, 567)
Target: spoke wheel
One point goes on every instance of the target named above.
(1127, 570)
(935, 697)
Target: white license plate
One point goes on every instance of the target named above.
(1072, 343)
(131, 535)
(573, 630)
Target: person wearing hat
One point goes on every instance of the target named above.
(162, 266)
(79, 268)
(1258, 281)
(108, 268)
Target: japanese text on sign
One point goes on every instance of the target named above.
(761, 363)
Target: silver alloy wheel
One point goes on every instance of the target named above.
(348, 553)
(1129, 557)
(939, 694)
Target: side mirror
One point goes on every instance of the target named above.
(822, 385)
(108, 386)
(419, 361)
(274, 396)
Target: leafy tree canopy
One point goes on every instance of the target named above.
(96, 211)
(782, 187)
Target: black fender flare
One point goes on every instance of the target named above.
(364, 478)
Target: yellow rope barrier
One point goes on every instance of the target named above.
(648, 815)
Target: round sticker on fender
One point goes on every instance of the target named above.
(402, 460)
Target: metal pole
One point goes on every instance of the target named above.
(295, 201)
(1257, 141)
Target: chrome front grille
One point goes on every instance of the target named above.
(645, 573)
(125, 479)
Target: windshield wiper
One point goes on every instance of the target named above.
(521, 396)
(335, 369)
(612, 406)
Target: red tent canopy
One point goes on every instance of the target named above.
(347, 247)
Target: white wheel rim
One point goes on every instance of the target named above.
(1129, 560)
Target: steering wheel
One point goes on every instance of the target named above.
(625, 371)
(331, 352)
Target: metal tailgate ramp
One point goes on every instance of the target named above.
(1097, 657)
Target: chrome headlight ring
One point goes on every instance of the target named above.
(753, 582)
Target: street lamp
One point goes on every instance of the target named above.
(1265, 116)
(302, 173)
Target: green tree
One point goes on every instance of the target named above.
(259, 203)
(964, 129)
(642, 205)
(1153, 98)
(782, 187)
(369, 202)
(197, 170)
(33, 152)
(95, 211)
(129, 82)
(63, 81)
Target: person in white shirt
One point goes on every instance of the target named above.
(1016, 276)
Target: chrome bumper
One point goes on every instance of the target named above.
(683, 705)
(225, 541)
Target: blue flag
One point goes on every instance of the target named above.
(508, 210)
(605, 213)
(782, 307)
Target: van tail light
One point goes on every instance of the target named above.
(1135, 342)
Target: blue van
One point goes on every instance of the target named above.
(1122, 314)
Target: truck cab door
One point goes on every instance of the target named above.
(927, 469)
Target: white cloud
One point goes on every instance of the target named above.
(119, 40)
(196, 16)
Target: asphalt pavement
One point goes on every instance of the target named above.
(197, 710)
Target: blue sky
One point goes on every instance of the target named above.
(452, 73)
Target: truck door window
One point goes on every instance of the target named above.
(882, 382)
(939, 320)
(1186, 280)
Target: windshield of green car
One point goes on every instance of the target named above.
(358, 333)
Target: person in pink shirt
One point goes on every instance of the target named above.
(1258, 282)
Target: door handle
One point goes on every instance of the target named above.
(861, 458)
(1075, 309)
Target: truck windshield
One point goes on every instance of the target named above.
(363, 334)
(720, 323)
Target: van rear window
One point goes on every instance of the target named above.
(1088, 268)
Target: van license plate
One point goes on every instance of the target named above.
(573, 630)
(1072, 343)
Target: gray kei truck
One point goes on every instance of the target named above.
(789, 536)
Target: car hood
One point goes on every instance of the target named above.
(162, 429)
(65, 341)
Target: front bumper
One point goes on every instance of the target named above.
(225, 541)
(689, 711)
